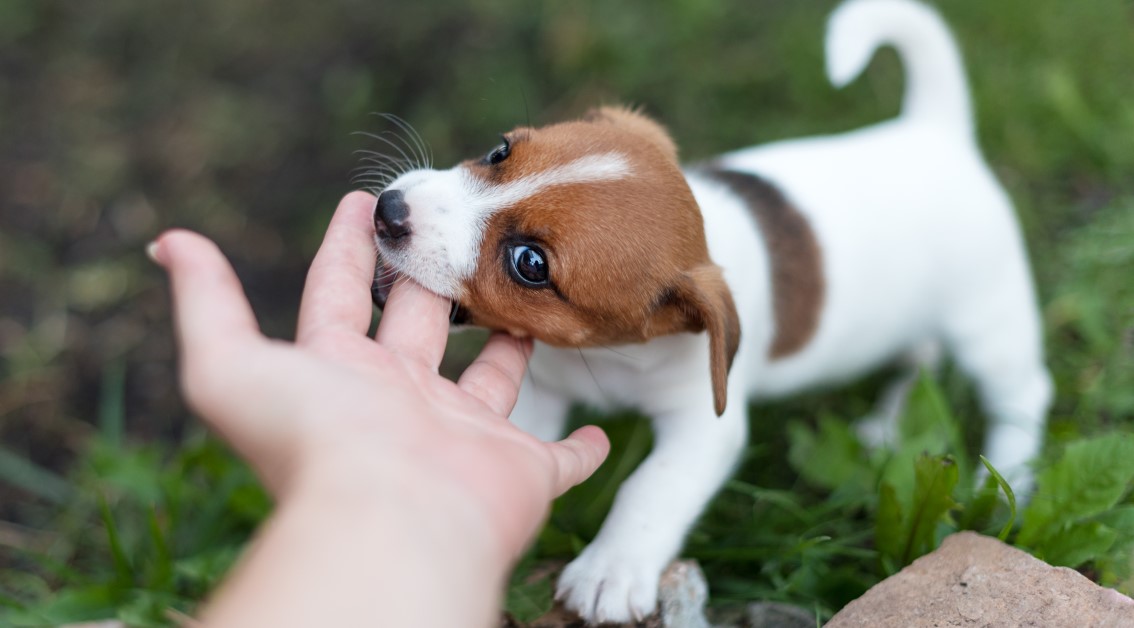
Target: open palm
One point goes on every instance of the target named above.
(374, 409)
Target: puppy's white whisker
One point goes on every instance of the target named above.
(369, 163)
(412, 139)
(387, 171)
(411, 153)
(377, 173)
(406, 158)
(423, 146)
(418, 157)
(378, 163)
(377, 155)
(372, 179)
(390, 164)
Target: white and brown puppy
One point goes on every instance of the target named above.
(774, 269)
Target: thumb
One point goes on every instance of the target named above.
(212, 316)
(578, 456)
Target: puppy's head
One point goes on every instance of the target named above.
(579, 234)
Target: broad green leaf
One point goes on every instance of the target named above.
(71, 605)
(928, 424)
(889, 532)
(829, 458)
(1117, 565)
(1090, 478)
(927, 427)
(529, 597)
(1078, 544)
(935, 479)
(1121, 519)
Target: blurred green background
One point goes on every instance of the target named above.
(235, 117)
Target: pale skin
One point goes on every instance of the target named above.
(403, 499)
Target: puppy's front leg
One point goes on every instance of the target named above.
(615, 578)
(540, 411)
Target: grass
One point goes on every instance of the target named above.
(235, 119)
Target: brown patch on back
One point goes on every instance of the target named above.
(798, 285)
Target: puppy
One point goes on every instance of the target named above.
(762, 273)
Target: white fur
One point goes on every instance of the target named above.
(452, 207)
(488, 199)
(920, 247)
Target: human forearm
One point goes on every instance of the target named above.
(392, 563)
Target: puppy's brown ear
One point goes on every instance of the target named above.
(633, 120)
(706, 302)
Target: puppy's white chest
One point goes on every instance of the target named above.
(653, 376)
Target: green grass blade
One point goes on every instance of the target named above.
(1008, 493)
(163, 559)
(124, 572)
(28, 476)
(112, 403)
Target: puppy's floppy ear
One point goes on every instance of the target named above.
(634, 121)
(706, 303)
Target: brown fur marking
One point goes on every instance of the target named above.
(627, 258)
(798, 284)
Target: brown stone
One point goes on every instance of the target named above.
(977, 581)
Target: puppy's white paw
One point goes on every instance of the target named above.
(876, 431)
(615, 587)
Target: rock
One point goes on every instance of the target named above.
(682, 595)
(973, 580)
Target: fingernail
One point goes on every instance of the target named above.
(152, 251)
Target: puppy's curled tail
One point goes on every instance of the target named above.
(936, 89)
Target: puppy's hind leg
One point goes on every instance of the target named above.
(880, 427)
(997, 342)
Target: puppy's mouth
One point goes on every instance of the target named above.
(384, 279)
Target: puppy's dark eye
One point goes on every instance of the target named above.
(500, 153)
(528, 265)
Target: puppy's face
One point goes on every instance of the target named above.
(579, 234)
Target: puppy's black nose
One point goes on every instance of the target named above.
(391, 215)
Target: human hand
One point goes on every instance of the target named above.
(342, 410)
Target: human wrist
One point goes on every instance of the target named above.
(413, 535)
(396, 552)
(401, 489)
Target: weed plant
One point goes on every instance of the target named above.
(234, 118)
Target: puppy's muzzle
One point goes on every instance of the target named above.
(391, 217)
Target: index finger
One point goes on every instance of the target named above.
(415, 323)
(337, 291)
